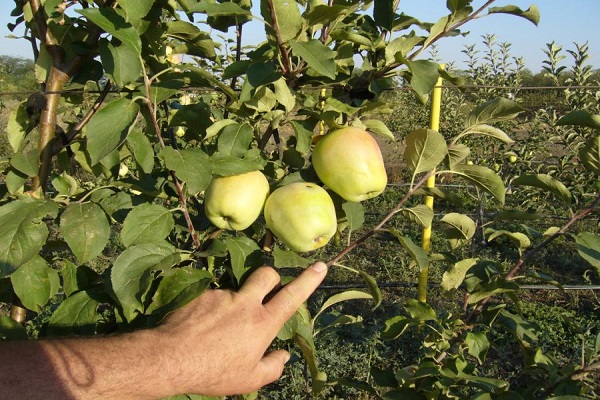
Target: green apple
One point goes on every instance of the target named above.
(235, 202)
(469, 162)
(301, 215)
(350, 163)
(512, 158)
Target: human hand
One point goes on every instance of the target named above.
(215, 346)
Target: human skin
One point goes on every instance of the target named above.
(214, 346)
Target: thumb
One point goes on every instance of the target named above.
(271, 366)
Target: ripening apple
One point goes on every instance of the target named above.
(350, 163)
(301, 215)
(235, 202)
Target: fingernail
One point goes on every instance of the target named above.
(319, 266)
(287, 358)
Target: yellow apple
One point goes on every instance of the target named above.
(301, 215)
(235, 202)
(350, 163)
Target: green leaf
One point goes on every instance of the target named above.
(545, 182)
(110, 21)
(224, 9)
(284, 94)
(35, 283)
(122, 63)
(199, 43)
(303, 131)
(590, 155)
(421, 214)
(420, 311)
(136, 9)
(383, 14)
(496, 110)
(318, 56)
(424, 76)
(289, 259)
(588, 247)
(16, 127)
(283, 16)
(79, 314)
(457, 153)
(26, 163)
(518, 238)
(263, 100)
(240, 250)
(425, 149)
(191, 165)
(487, 130)
(416, 252)
(378, 127)
(341, 297)
(108, 127)
(484, 178)
(355, 214)
(77, 277)
(235, 139)
(133, 273)
(142, 150)
(532, 14)
(177, 288)
(226, 165)
(372, 287)
(580, 118)
(460, 229)
(23, 233)
(322, 14)
(395, 327)
(477, 345)
(147, 223)
(453, 278)
(85, 229)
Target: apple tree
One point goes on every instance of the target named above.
(149, 111)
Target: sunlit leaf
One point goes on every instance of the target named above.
(453, 278)
(496, 110)
(532, 14)
(109, 126)
(133, 273)
(590, 155)
(459, 230)
(588, 247)
(190, 165)
(23, 233)
(86, 230)
(146, 223)
(545, 182)
(425, 150)
(318, 56)
(110, 21)
(484, 178)
(35, 283)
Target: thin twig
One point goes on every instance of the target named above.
(176, 182)
(380, 225)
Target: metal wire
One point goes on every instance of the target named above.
(408, 285)
(397, 88)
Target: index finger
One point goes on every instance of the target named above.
(287, 300)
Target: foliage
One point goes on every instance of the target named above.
(122, 175)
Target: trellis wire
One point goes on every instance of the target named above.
(397, 88)
(410, 285)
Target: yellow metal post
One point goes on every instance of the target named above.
(434, 124)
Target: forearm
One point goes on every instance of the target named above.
(125, 366)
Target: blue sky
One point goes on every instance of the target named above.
(566, 22)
